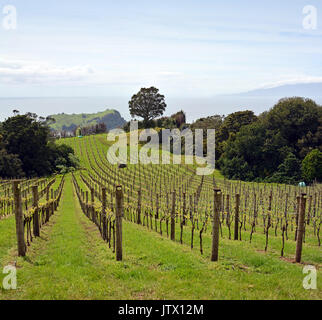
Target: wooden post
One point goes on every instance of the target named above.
(157, 207)
(190, 202)
(270, 201)
(215, 226)
(87, 211)
(92, 203)
(118, 223)
(173, 215)
(237, 216)
(139, 207)
(227, 209)
(184, 209)
(20, 230)
(298, 204)
(300, 229)
(104, 233)
(52, 199)
(47, 200)
(35, 215)
(309, 212)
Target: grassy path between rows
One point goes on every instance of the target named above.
(71, 261)
(7, 236)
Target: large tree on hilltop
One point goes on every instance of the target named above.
(148, 104)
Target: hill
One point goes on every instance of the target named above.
(69, 122)
(312, 90)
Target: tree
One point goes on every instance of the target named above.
(312, 166)
(147, 104)
(231, 125)
(288, 172)
(27, 137)
(273, 145)
(180, 118)
(295, 119)
(26, 147)
(233, 122)
(212, 122)
(243, 157)
(10, 164)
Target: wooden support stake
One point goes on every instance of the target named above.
(173, 215)
(47, 200)
(35, 215)
(184, 209)
(237, 216)
(20, 230)
(139, 207)
(118, 222)
(104, 202)
(300, 229)
(92, 204)
(215, 227)
(298, 204)
(52, 203)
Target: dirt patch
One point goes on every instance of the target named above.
(261, 251)
(303, 263)
(244, 268)
(291, 260)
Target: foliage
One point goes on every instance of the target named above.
(27, 137)
(288, 172)
(233, 122)
(312, 166)
(26, 149)
(293, 119)
(147, 104)
(164, 123)
(179, 118)
(10, 165)
(272, 146)
(212, 122)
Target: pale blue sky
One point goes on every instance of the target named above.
(186, 48)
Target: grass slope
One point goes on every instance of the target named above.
(111, 118)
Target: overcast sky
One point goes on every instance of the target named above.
(187, 48)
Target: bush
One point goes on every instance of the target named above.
(10, 165)
(312, 166)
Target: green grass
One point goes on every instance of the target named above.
(71, 261)
(110, 117)
(7, 236)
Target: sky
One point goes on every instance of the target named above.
(189, 49)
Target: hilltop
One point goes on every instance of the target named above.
(69, 122)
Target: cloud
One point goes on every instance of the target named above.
(36, 72)
(27, 72)
(168, 73)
